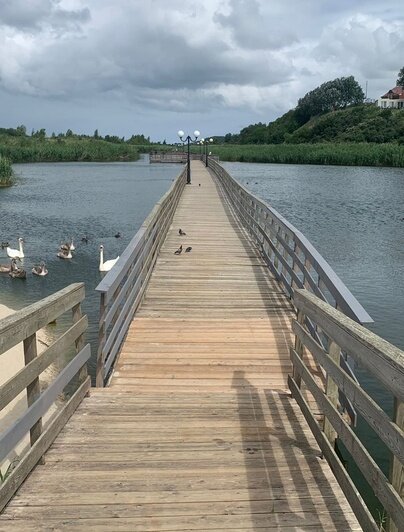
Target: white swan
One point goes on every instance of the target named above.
(15, 253)
(107, 265)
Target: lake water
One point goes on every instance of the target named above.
(354, 216)
(54, 201)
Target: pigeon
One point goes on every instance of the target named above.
(181, 232)
(188, 249)
(178, 251)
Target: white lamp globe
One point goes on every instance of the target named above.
(197, 133)
(181, 133)
(210, 140)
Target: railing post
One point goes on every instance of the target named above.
(99, 372)
(331, 390)
(396, 467)
(33, 389)
(299, 347)
(79, 343)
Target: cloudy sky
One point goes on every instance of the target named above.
(156, 66)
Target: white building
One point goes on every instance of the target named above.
(392, 99)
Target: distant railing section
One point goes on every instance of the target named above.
(176, 157)
(22, 326)
(384, 362)
(292, 258)
(122, 288)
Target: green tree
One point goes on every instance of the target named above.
(96, 136)
(400, 79)
(69, 133)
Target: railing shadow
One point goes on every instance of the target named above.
(279, 455)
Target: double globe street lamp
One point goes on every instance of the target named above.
(189, 140)
(205, 143)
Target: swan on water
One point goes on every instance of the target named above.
(64, 254)
(16, 253)
(107, 265)
(40, 270)
(68, 246)
(16, 272)
(7, 268)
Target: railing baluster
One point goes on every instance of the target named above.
(396, 467)
(331, 390)
(33, 389)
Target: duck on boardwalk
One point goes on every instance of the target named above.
(108, 264)
(181, 232)
(178, 251)
(40, 270)
(188, 249)
(16, 253)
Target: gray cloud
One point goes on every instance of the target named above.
(159, 59)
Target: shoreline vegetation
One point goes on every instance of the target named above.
(6, 172)
(340, 154)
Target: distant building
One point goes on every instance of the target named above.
(392, 99)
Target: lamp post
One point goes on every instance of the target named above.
(206, 143)
(189, 140)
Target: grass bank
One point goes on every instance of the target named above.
(344, 154)
(32, 150)
(6, 172)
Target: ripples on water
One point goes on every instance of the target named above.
(52, 202)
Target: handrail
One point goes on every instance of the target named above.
(122, 288)
(383, 361)
(22, 326)
(292, 258)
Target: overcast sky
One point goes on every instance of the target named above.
(156, 66)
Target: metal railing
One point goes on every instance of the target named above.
(384, 362)
(22, 326)
(122, 288)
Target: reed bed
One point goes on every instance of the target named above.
(344, 154)
(27, 150)
(6, 172)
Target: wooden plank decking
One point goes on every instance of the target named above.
(197, 430)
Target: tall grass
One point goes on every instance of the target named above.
(6, 172)
(345, 154)
(27, 149)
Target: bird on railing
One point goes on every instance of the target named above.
(178, 251)
(188, 249)
(181, 232)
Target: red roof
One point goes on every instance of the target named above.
(396, 93)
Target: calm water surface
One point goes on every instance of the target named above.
(355, 219)
(52, 202)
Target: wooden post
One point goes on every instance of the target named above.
(99, 371)
(77, 315)
(331, 390)
(33, 389)
(299, 347)
(396, 467)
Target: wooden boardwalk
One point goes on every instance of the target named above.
(197, 430)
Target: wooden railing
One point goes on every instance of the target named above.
(294, 261)
(385, 363)
(292, 258)
(22, 326)
(123, 287)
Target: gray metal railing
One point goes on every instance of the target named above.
(122, 288)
